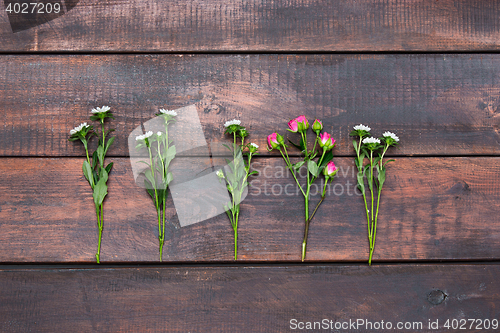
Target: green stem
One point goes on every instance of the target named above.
(315, 142)
(304, 242)
(319, 163)
(236, 231)
(371, 187)
(304, 139)
(379, 190)
(85, 144)
(306, 230)
(157, 205)
(360, 170)
(375, 225)
(99, 227)
(287, 161)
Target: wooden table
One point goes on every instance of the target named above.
(427, 70)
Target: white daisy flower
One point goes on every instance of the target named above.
(254, 145)
(220, 174)
(159, 133)
(78, 128)
(232, 122)
(391, 135)
(169, 112)
(362, 127)
(371, 140)
(101, 110)
(144, 136)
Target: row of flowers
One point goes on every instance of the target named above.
(317, 160)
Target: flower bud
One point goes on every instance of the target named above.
(317, 126)
(302, 123)
(243, 133)
(273, 141)
(326, 141)
(253, 147)
(294, 127)
(330, 169)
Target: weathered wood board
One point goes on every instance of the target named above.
(238, 299)
(438, 104)
(431, 209)
(283, 25)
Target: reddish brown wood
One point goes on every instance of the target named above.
(239, 299)
(437, 104)
(284, 25)
(431, 209)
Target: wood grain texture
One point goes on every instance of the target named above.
(438, 104)
(238, 299)
(284, 25)
(431, 209)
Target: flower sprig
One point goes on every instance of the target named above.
(369, 147)
(94, 170)
(239, 171)
(158, 176)
(325, 144)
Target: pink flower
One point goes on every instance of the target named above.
(298, 124)
(330, 169)
(302, 122)
(272, 141)
(326, 141)
(294, 127)
(323, 138)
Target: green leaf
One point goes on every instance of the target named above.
(94, 160)
(302, 145)
(109, 131)
(298, 165)
(255, 172)
(150, 178)
(160, 196)
(109, 167)
(168, 179)
(100, 155)
(369, 177)
(381, 176)
(327, 158)
(296, 145)
(100, 191)
(149, 187)
(388, 162)
(361, 182)
(108, 144)
(169, 156)
(103, 174)
(355, 144)
(87, 172)
(313, 168)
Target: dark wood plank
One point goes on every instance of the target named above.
(438, 104)
(431, 209)
(284, 25)
(242, 299)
